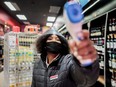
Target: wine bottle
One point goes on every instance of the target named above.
(110, 25)
(102, 61)
(111, 41)
(110, 62)
(113, 25)
(108, 41)
(115, 42)
(113, 61)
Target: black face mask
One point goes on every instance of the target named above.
(53, 47)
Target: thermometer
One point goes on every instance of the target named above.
(74, 19)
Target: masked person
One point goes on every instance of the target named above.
(57, 67)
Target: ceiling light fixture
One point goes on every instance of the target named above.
(54, 9)
(21, 17)
(51, 19)
(49, 24)
(90, 6)
(26, 22)
(64, 26)
(82, 12)
(12, 6)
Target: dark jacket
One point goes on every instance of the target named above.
(65, 70)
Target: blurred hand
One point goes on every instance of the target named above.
(84, 49)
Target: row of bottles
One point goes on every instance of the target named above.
(112, 24)
(101, 60)
(103, 34)
(112, 60)
(111, 41)
(111, 50)
(26, 40)
(112, 66)
(97, 31)
(98, 41)
(97, 36)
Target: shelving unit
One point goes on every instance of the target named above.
(19, 54)
(111, 49)
(97, 35)
(102, 26)
(103, 34)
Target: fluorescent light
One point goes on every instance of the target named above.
(62, 28)
(21, 17)
(49, 24)
(54, 9)
(82, 12)
(16, 6)
(26, 22)
(51, 19)
(10, 6)
(90, 6)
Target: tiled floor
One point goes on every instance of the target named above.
(1, 79)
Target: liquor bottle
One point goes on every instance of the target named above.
(102, 42)
(115, 42)
(108, 41)
(110, 61)
(102, 61)
(113, 61)
(113, 82)
(111, 41)
(99, 31)
(113, 24)
(102, 31)
(110, 25)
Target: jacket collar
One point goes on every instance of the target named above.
(54, 61)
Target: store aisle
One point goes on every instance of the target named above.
(1, 79)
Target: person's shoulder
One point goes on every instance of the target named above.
(68, 57)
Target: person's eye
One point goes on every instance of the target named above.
(58, 39)
(49, 38)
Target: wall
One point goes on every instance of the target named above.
(6, 18)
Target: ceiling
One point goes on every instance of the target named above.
(36, 11)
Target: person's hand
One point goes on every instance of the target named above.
(83, 50)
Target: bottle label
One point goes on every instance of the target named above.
(114, 44)
(111, 45)
(110, 29)
(108, 44)
(110, 63)
(113, 28)
(113, 64)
